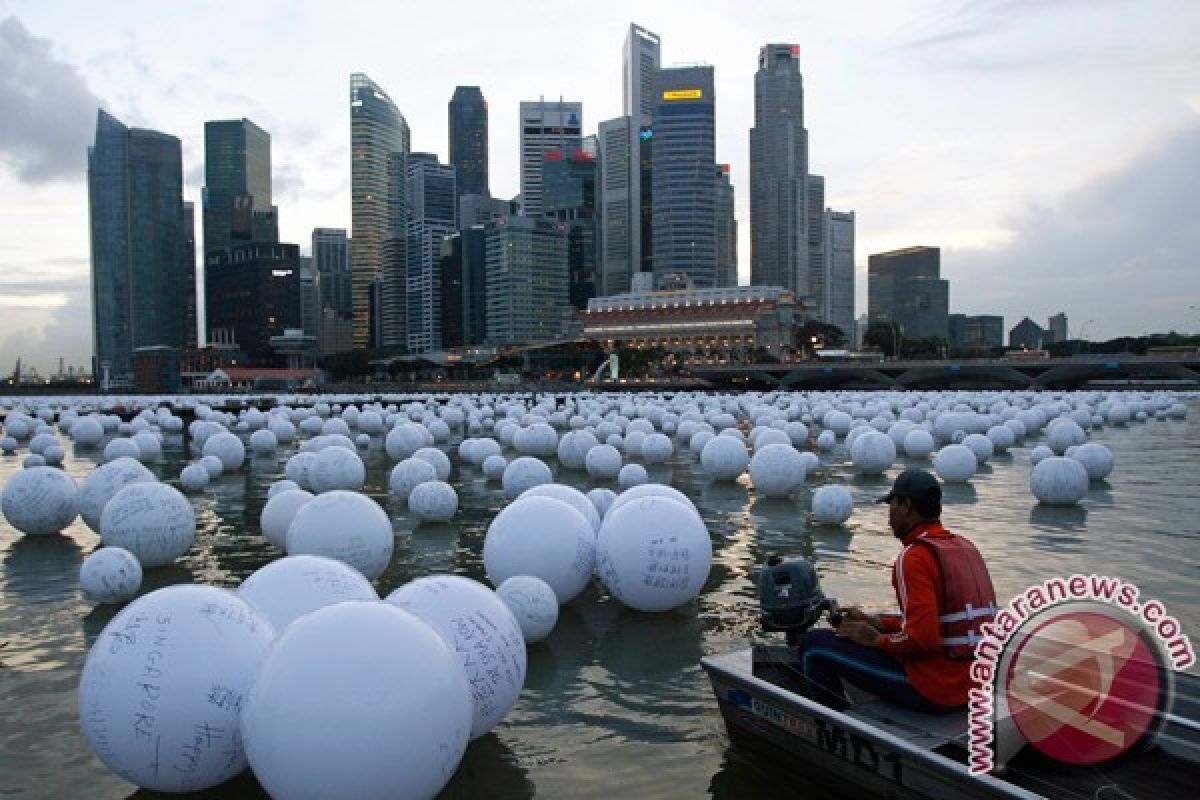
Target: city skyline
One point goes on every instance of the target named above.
(987, 130)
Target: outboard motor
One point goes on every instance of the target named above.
(790, 597)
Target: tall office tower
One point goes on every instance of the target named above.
(475, 209)
(253, 292)
(837, 305)
(463, 267)
(310, 299)
(569, 198)
(815, 228)
(431, 203)
(188, 275)
(526, 280)
(778, 173)
(685, 190)
(390, 301)
(377, 130)
(237, 185)
(726, 230)
(546, 126)
(641, 60)
(905, 288)
(616, 223)
(468, 118)
(140, 288)
(331, 258)
(1056, 328)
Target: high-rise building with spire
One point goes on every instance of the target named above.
(378, 131)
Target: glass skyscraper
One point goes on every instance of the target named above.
(683, 169)
(141, 282)
(431, 200)
(779, 209)
(468, 120)
(546, 126)
(237, 185)
(377, 131)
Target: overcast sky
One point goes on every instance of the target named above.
(1050, 147)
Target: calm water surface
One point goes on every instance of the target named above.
(615, 700)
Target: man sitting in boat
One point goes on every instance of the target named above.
(919, 658)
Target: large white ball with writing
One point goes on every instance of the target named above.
(657, 448)
(40, 500)
(653, 553)
(344, 525)
(1064, 433)
(872, 453)
(278, 513)
(955, 463)
(603, 462)
(543, 537)
(919, 443)
(433, 501)
(532, 603)
(569, 495)
(1096, 459)
(358, 699)
(832, 504)
(524, 473)
(480, 629)
(228, 448)
(290, 587)
(724, 458)
(104, 482)
(165, 683)
(110, 575)
(776, 470)
(153, 521)
(1059, 481)
(337, 468)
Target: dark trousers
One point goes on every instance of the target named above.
(827, 659)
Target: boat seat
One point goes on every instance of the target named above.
(925, 730)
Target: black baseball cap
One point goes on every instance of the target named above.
(914, 483)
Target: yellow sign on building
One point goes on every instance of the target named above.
(683, 94)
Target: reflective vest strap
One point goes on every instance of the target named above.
(971, 613)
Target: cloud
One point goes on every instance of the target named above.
(1119, 250)
(47, 112)
(287, 182)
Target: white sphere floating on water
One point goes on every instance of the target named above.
(532, 603)
(838, 422)
(1039, 454)
(214, 466)
(263, 442)
(278, 513)
(344, 525)
(919, 443)
(87, 432)
(439, 460)
(543, 537)
(981, 446)
(290, 587)
(873, 453)
(573, 448)
(337, 468)
(826, 441)
(776, 470)
(653, 554)
(523, 473)
(149, 446)
(40, 501)
(404, 440)
(724, 458)
(810, 460)
(228, 448)
(1096, 459)
(110, 575)
(433, 501)
(955, 463)
(173, 665)
(569, 495)
(1059, 481)
(494, 467)
(121, 448)
(483, 632)
(657, 448)
(603, 462)
(153, 521)
(8, 445)
(1064, 433)
(54, 455)
(632, 475)
(193, 478)
(1002, 437)
(412, 707)
(408, 475)
(104, 482)
(832, 504)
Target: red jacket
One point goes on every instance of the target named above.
(914, 637)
